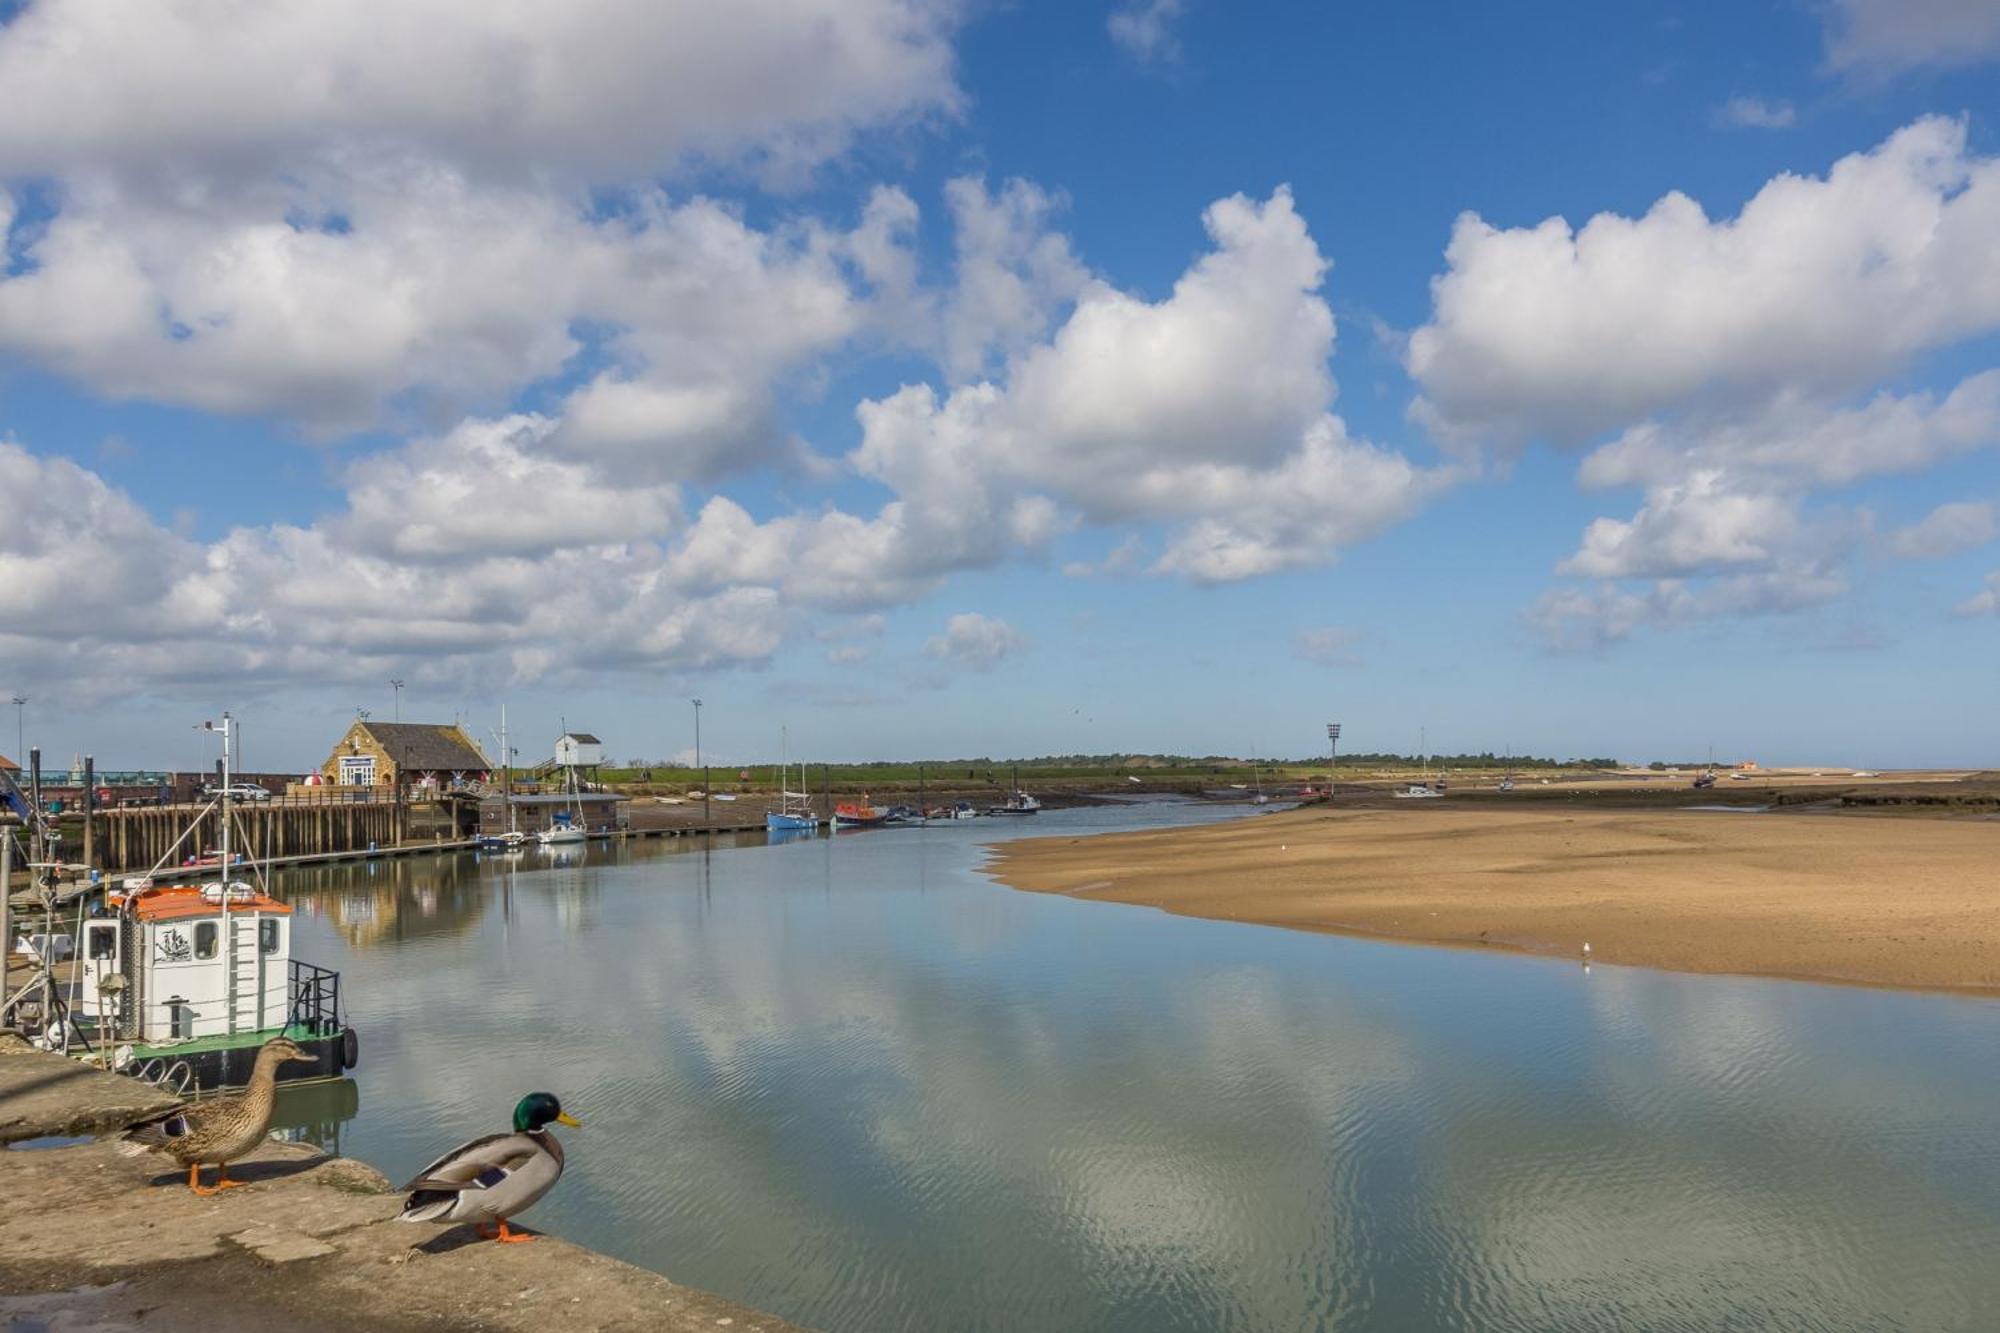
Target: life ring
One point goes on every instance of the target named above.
(350, 1048)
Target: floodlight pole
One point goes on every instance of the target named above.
(1332, 756)
(697, 761)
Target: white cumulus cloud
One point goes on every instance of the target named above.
(1821, 284)
(587, 90)
(975, 642)
(1962, 525)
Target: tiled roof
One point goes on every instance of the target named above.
(426, 745)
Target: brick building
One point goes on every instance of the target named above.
(414, 757)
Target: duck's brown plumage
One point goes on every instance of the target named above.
(219, 1131)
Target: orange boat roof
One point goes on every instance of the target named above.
(188, 900)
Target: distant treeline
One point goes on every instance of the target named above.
(986, 767)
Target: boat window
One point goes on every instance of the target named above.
(204, 939)
(267, 936)
(103, 943)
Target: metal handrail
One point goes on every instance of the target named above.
(315, 998)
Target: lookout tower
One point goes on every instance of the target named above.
(578, 757)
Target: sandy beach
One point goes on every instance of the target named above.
(1899, 902)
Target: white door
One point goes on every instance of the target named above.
(103, 957)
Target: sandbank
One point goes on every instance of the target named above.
(1883, 901)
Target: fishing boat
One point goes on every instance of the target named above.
(858, 814)
(961, 810)
(1018, 802)
(794, 810)
(182, 984)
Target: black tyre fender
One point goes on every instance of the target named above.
(350, 1048)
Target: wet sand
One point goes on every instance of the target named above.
(1898, 902)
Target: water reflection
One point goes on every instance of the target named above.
(852, 1082)
(313, 1113)
(370, 903)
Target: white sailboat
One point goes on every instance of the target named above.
(566, 826)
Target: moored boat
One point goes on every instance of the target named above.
(1018, 801)
(858, 814)
(562, 831)
(182, 985)
(794, 812)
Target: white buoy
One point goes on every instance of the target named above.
(1586, 948)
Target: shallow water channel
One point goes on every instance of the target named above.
(856, 1083)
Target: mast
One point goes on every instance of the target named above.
(228, 925)
(506, 771)
(227, 778)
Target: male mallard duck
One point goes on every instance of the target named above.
(218, 1131)
(492, 1179)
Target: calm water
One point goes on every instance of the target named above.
(855, 1083)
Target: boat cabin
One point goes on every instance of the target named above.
(190, 962)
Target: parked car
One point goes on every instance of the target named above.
(238, 791)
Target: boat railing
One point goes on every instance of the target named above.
(315, 998)
(175, 1076)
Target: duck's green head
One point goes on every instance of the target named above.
(537, 1109)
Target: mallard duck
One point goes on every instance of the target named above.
(492, 1179)
(218, 1131)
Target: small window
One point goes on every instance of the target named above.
(103, 943)
(267, 936)
(204, 939)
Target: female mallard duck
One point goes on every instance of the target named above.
(492, 1179)
(218, 1131)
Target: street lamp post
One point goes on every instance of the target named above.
(397, 686)
(20, 702)
(697, 760)
(1332, 756)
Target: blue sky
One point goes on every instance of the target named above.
(952, 378)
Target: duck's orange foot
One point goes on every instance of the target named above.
(195, 1185)
(223, 1183)
(507, 1237)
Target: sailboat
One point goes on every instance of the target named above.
(794, 810)
(1018, 802)
(565, 826)
(1706, 778)
(1415, 791)
(512, 839)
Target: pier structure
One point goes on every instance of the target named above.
(128, 840)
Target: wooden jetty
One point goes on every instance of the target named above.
(126, 840)
(71, 889)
